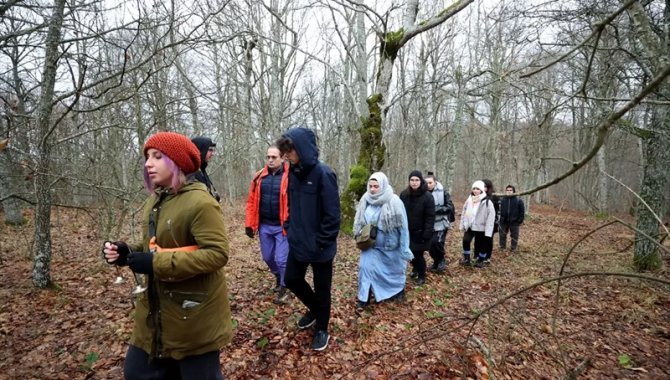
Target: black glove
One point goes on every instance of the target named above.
(122, 249)
(141, 262)
(249, 231)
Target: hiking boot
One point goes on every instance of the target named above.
(278, 286)
(307, 320)
(441, 266)
(419, 281)
(282, 296)
(398, 297)
(414, 274)
(320, 341)
(360, 305)
(482, 263)
(464, 262)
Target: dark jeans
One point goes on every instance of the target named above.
(437, 251)
(138, 367)
(318, 299)
(419, 263)
(513, 229)
(483, 244)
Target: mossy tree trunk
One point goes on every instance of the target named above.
(655, 54)
(372, 150)
(656, 148)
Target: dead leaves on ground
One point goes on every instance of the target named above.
(79, 329)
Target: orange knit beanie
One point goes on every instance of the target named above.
(178, 147)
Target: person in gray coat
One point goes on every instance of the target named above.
(444, 216)
(477, 222)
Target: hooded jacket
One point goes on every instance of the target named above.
(314, 202)
(203, 144)
(185, 310)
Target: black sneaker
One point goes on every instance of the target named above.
(282, 296)
(464, 262)
(414, 274)
(320, 341)
(482, 263)
(360, 305)
(307, 320)
(419, 281)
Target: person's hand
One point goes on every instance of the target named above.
(249, 231)
(115, 252)
(141, 262)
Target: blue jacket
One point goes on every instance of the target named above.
(313, 202)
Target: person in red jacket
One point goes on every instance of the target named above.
(266, 214)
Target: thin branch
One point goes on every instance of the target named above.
(599, 27)
(603, 130)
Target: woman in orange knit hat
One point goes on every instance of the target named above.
(183, 316)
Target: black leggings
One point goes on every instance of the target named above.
(483, 244)
(138, 367)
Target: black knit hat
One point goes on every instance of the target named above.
(416, 173)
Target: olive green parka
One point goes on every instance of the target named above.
(185, 310)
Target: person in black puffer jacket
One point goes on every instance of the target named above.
(420, 208)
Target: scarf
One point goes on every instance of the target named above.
(470, 209)
(392, 208)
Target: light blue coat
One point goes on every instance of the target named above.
(382, 268)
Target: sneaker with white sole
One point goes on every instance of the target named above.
(320, 341)
(307, 321)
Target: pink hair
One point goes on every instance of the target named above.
(177, 178)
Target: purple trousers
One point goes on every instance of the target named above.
(274, 248)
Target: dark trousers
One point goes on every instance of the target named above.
(138, 367)
(437, 251)
(483, 244)
(317, 300)
(419, 263)
(513, 230)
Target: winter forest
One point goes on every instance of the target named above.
(566, 100)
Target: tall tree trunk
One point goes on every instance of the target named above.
(372, 149)
(42, 255)
(655, 141)
(656, 149)
(8, 188)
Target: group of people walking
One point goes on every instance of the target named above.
(293, 207)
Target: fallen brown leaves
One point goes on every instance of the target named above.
(79, 329)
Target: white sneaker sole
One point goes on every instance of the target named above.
(324, 346)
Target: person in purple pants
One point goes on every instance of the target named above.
(266, 215)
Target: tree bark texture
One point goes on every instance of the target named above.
(42, 246)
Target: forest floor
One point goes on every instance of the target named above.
(507, 321)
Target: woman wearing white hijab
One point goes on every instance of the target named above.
(382, 267)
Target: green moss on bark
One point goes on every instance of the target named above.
(370, 159)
